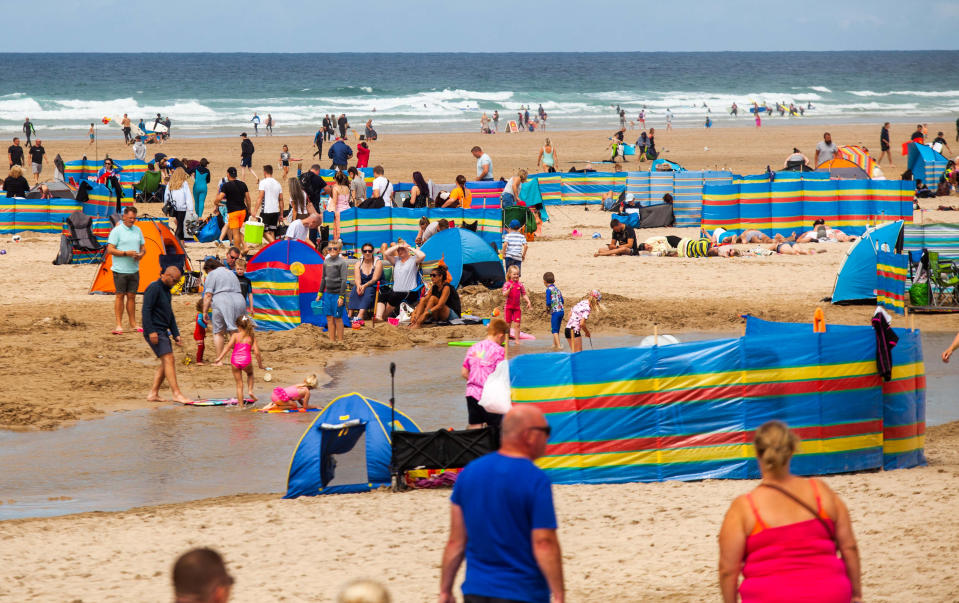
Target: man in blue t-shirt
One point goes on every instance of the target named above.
(502, 520)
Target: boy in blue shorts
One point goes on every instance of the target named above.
(554, 305)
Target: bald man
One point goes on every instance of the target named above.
(502, 517)
(159, 324)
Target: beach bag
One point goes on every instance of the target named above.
(919, 294)
(496, 392)
(209, 231)
(167, 209)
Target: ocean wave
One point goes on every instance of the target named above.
(820, 89)
(919, 93)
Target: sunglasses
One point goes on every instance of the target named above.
(367, 251)
(547, 430)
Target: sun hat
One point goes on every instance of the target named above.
(596, 294)
(514, 224)
(629, 197)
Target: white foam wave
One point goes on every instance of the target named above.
(820, 89)
(920, 93)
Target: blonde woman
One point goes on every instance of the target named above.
(180, 194)
(511, 191)
(547, 156)
(784, 536)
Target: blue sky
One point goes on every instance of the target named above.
(485, 26)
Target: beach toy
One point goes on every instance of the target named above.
(285, 411)
(486, 321)
(596, 235)
(522, 335)
(216, 402)
(3, 252)
(253, 231)
(393, 321)
(15, 238)
(268, 377)
(495, 311)
(576, 233)
(460, 344)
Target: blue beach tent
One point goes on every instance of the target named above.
(856, 280)
(926, 164)
(346, 448)
(470, 259)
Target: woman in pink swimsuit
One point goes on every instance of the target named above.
(785, 534)
(243, 344)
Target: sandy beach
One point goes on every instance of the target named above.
(630, 543)
(635, 542)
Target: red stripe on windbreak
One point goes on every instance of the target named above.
(908, 384)
(706, 439)
(710, 393)
(896, 432)
(272, 312)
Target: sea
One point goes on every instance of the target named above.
(218, 94)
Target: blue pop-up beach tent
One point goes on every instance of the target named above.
(856, 280)
(470, 259)
(347, 448)
(926, 164)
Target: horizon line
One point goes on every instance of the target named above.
(418, 52)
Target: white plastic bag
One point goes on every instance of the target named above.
(496, 391)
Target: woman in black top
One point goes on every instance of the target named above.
(442, 303)
(420, 193)
(15, 184)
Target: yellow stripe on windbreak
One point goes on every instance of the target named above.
(701, 380)
(904, 445)
(892, 269)
(725, 452)
(287, 286)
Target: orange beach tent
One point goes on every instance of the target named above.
(162, 249)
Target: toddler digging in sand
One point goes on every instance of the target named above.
(288, 398)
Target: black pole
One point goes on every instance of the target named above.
(393, 475)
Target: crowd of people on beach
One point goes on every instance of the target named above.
(788, 534)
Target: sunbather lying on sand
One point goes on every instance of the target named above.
(791, 248)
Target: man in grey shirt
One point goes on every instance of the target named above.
(333, 291)
(825, 150)
(222, 293)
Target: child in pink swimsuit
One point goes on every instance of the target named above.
(515, 292)
(243, 344)
(286, 398)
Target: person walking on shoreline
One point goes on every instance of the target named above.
(884, 144)
(127, 245)
(246, 156)
(343, 124)
(15, 152)
(503, 523)
(496, 124)
(256, 124)
(28, 129)
(159, 324)
(269, 124)
(127, 129)
(37, 157)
